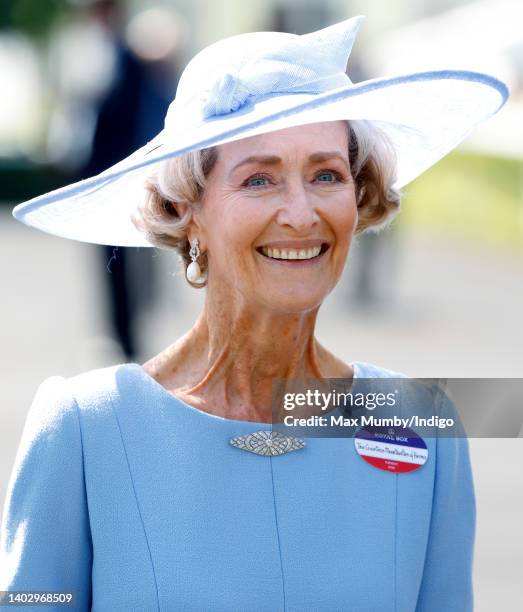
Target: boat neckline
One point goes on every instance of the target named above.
(161, 390)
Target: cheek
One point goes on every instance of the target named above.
(343, 218)
(242, 227)
(234, 231)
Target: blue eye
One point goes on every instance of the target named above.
(256, 181)
(331, 176)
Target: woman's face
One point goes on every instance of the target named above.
(273, 197)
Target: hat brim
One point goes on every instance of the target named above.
(425, 115)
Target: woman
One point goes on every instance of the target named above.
(151, 487)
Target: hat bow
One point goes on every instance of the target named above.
(268, 76)
(226, 76)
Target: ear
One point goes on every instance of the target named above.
(180, 208)
(361, 195)
(195, 228)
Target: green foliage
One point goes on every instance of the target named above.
(32, 17)
(476, 197)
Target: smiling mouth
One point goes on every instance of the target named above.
(293, 254)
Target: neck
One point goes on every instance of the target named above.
(226, 363)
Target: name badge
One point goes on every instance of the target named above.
(392, 449)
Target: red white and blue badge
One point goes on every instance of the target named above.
(393, 449)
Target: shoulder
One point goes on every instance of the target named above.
(51, 418)
(59, 399)
(94, 387)
(64, 410)
(364, 369)
(417, 396)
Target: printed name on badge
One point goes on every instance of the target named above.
(392, 449)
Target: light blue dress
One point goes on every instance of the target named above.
(135, 501)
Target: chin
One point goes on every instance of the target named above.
(293, 303)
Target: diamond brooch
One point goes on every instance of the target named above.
(267, 443)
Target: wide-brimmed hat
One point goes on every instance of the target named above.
(259, 82)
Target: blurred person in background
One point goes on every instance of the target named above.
(128, 111)
(163, 485)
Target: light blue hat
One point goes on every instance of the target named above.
(264, 81)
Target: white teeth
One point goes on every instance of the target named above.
(291, 253)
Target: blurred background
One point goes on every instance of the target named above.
(438, 294)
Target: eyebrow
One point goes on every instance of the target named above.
(274, 160)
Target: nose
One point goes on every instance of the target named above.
(297, 209)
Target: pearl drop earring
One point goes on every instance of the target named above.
(194, 273)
